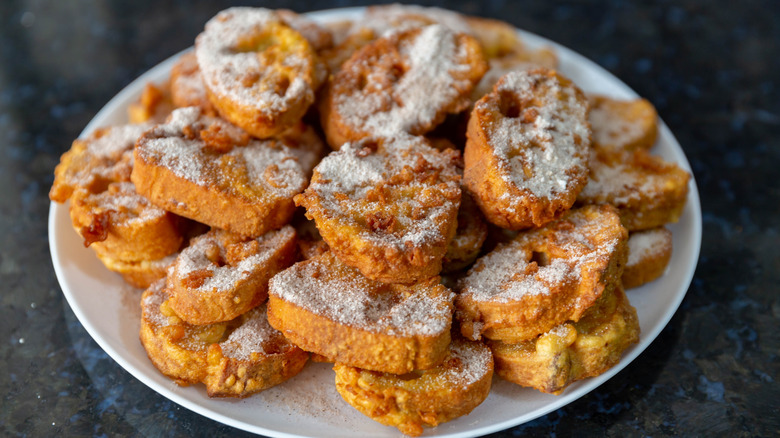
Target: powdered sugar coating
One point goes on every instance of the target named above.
(254, 335)
(647, 244)
(510, 272)
(191, 158)
(325, 286)
(344, 179)
(223, 64)
(543, 151)
(474, 360)
(386, 19)
(435, 78)
(222, 278)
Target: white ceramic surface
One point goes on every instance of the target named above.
(309, 405)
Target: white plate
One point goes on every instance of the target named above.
(309, 405)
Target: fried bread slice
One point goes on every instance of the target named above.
(622, 124)
(647, 191)
(649, 252)
(387, 207)
(233, 359)
(571, 351)
(325, 307)
(92, 163)
(210, 171)
(544, 277)
(430, 397)
(469, 236)
(406, 82)
(153, 106)
(527, 149)
(222, 275)
(260, 73)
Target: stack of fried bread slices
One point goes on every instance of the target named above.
(477, 211)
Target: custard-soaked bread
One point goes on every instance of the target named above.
(647, 191)
(387, 207)
(92, 163)
(328, 308)
(233, 359)
(222, 275)
(259, 73)
(544, 277)
(187, 87)
(527, 149)
(470, 235)
(571, 351)
(153, 106)
(121, 224)
(428, 397)
(406, 82)
(622, 124)
(208, 170)
(649, 252)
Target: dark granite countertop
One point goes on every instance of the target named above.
(710, 67)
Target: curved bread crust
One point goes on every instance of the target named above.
(622, 124)
(259, 73)
(571, 351)
(429, 397)
(120, 224)
(328, 308)
(92, 163)
(469, 236)
(140, 274)
(406, 82)
(222, 275)
(387, 207)
(647, 191)
(154, 105)
(208, 170)
(527, 149)
(187, 88)
(649, 252)
(519, 58)
(234, 359)
(544, 277)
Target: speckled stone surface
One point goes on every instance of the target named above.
(710, 67)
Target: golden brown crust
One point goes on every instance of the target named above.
(469, 236)
(139, 274)
(527, 149)
(647, 191)
(234, 359)
(622, 124)
(405, 82)
(328, 308)
(429, 397)
(208, 170)
(121, 224)
(543, 277)
(387, 207)
(571, 351)
(259, 73)
(649, 252)
(222, 275)
(520, 58)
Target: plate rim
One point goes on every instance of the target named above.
(577, 390)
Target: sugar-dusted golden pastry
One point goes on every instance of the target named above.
(233, 359)
(260, 73)
(571, 351)
(649, 252)
(622, 124)
(406, 82)
(429, 397)
(387, 206)
(326, 307)
(647, 191)
(210, 171)
(544, 277)
(527, 149)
